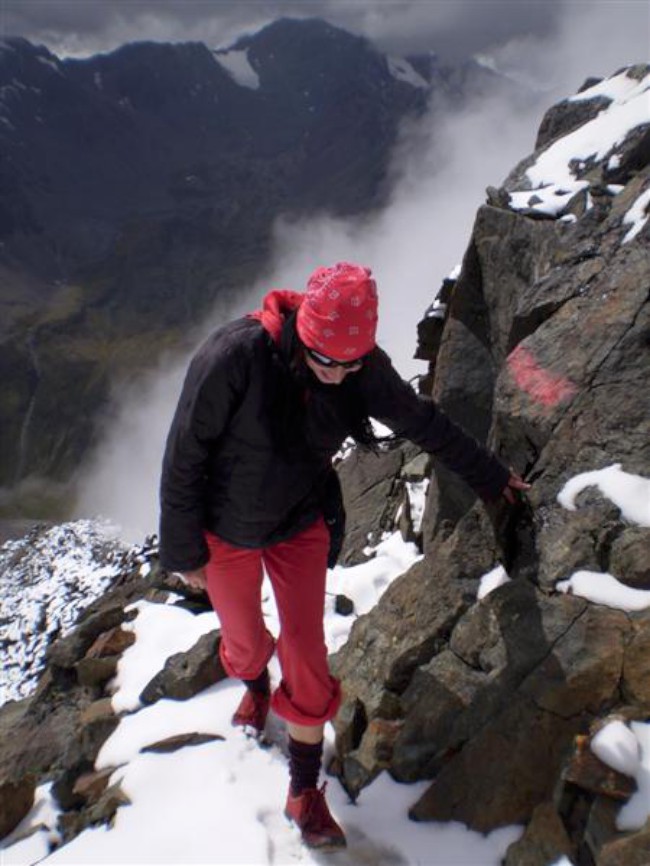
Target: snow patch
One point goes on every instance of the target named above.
(417, 494)
(552, 179)
(491, 581)
(402, 70)
(630, 493)
(52, 64)
(637, 216)
(603, 588)
(616, 746)
(47, 580)
(237, 65)
(636, 811)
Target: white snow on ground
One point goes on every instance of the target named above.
(636, 811)
(491, 581)
(618, 87)
(603, 588)
(630, 493)
(617, 746)
(637, 216)
(404, 71)
(221, 802)
(161, 631)
(552, 176)
(46, 582)
(237, 65)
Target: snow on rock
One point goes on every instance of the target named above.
(237, 65)
(161, 631)
(637, 216)
(617, 746)
(417, 494)
(491, 581)
(553, 178)
(630, 493)
(402, 70)
(636, 811)
(603, 588)
(47, 578)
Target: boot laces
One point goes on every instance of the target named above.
(317, 814)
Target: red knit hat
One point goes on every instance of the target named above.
(338, 315)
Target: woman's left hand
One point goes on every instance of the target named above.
(515, 484)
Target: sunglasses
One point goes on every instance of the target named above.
(324, 361)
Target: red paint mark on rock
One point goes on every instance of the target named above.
(543, 387)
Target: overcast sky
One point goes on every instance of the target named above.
(451, 27)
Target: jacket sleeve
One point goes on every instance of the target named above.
(213, 385)
(393, 402)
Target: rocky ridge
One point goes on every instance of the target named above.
(543, 352)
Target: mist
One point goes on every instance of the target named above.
(441, 167)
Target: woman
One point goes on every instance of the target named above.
(248, 482)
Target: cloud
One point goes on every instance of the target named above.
(452, 29)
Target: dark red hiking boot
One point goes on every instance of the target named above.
(252, 712)
(311, 814)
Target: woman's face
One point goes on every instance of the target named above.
(329, 375)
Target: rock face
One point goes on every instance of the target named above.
(540, 349)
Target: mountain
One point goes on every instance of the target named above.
(496, 662)
(136, 187)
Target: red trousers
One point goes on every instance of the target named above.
(307, 694)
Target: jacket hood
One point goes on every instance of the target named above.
(277, 306)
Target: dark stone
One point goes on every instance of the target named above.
(180, 741)
(68, 650)
(16, 799)
(372, 493)
(187, 673)
(343, 605)
(565, 117)
(629, 560)
(96, 671)
(544, 841)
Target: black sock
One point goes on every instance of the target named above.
(260, 684)
(304, 765)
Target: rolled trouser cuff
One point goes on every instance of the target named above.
(283, 706)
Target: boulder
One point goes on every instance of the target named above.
(68, 650)
(544, 841)
(631, 850)
(636, 663)
(372, 493)
(187, 673)
(180, 741)
(16, 799)
(628, 557)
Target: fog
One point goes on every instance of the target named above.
(441, 167)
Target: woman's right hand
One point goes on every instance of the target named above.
(195, 579)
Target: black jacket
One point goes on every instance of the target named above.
(226, 470)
